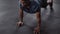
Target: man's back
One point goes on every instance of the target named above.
(38, 1)
(33, 7)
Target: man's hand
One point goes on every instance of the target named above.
(19, 24)
(37, 30)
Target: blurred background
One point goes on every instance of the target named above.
(9, 17)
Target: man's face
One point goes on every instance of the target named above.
(24, 3)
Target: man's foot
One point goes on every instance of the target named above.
(51, 8)
(19, 23)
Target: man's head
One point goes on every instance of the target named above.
(24, 2)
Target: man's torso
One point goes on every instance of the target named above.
(34, 6)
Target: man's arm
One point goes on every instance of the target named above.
(20, 15)
(20, 23)
(38, 16)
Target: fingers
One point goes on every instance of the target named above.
(36, 32)
(19, 24)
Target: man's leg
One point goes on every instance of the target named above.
(51, 5)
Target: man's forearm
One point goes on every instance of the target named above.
(20, 15)
(38, 18)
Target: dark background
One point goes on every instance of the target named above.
(9, 16)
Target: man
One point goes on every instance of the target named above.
(29, 7)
